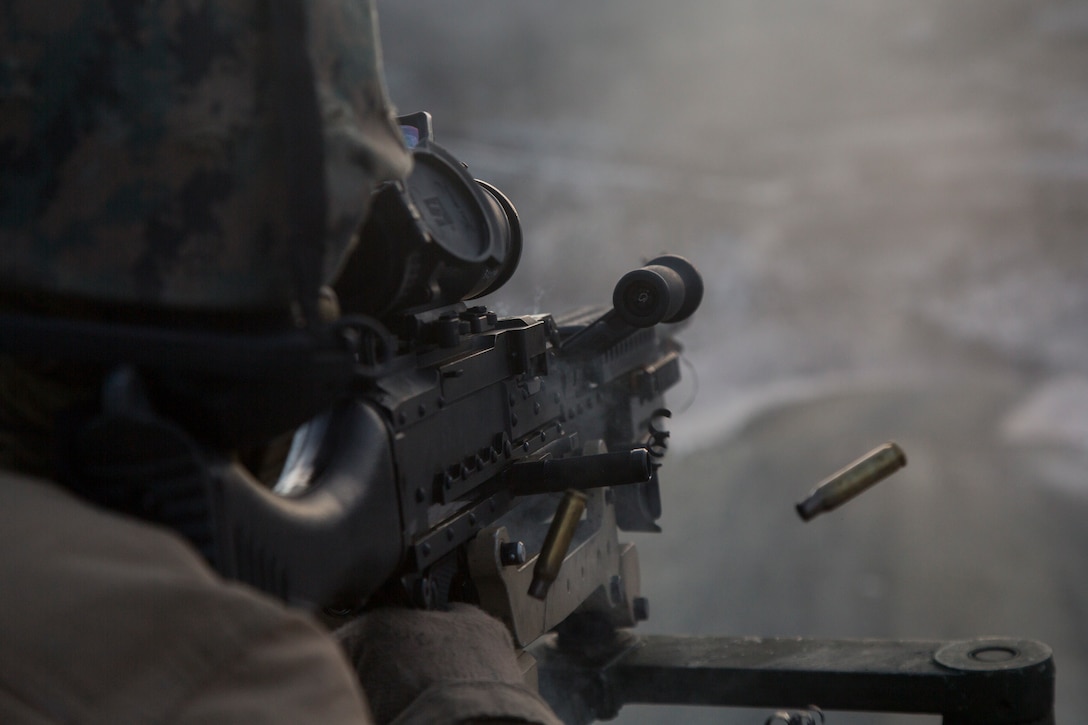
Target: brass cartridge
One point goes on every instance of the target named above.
(837, 489)
(557, 542)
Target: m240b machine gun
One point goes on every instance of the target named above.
(510, 452)
(523, 445)
(472, 457)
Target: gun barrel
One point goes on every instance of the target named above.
(844, 485)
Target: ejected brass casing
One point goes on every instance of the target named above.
(839, 488)
(557, 542)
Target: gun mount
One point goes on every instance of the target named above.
(985, 681)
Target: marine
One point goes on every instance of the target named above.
(180, 168)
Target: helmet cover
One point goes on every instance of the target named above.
(147, 149)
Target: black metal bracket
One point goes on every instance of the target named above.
(987, 681)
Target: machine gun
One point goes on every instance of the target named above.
(495, 460)
(504, 429)
(519, 445)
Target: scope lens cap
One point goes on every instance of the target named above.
(667, 289)
(692, 283)
(643, 298)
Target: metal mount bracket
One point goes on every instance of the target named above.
(600, 574)
(987, 681)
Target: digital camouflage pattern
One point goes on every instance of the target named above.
(144, 151)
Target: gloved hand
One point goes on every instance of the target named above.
(402, 655)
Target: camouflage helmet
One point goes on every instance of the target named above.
(187, 154)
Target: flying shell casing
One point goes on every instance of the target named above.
(557, 542)
(840, 487)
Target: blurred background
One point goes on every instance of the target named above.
(888, 200)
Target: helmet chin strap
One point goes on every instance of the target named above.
(228, 386)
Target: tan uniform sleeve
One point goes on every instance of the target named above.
(288, 661)
(106, 620)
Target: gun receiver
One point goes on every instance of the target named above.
(487, 431)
